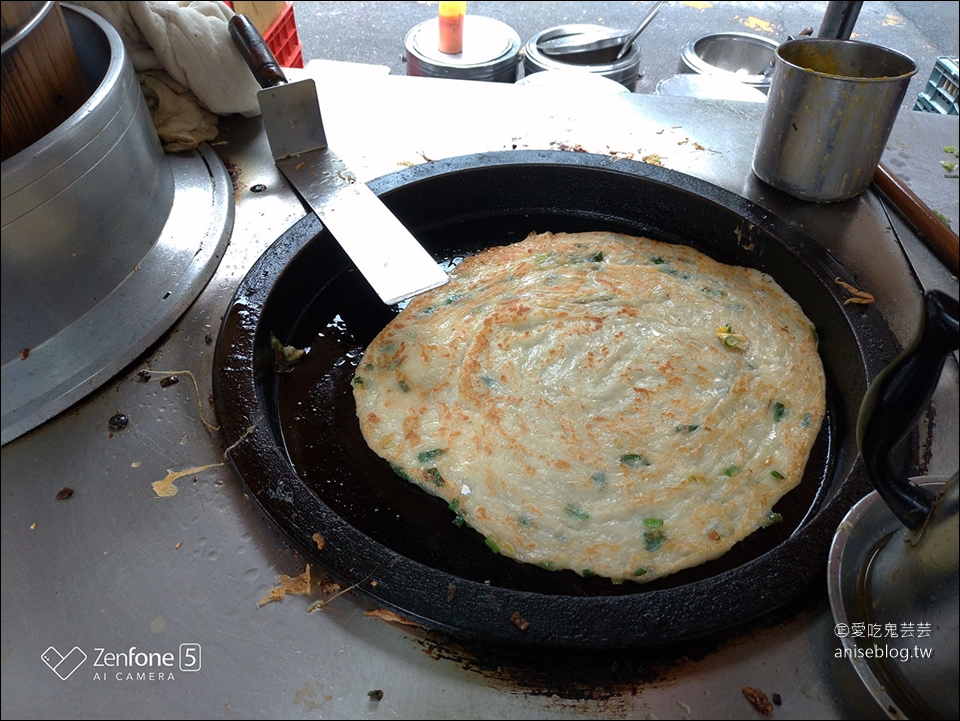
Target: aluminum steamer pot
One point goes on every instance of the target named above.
(308, 466)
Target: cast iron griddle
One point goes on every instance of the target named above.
(309, 467)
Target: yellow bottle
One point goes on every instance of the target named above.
(451, 27)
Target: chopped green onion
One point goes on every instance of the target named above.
(400, 472)
(435, 478)
(730, 470)
(657, 260)
(634, 460)
(652, 540)
(587, 573)
(653, 522)
(597, 257)
(687, 429)
(576, 512)
(600, 478)
(779, 412)
(772, 519)
(492, 545)
(454, 506)
(617, 581)
(778, 475)
(358, 381)
(639, 572)
(731, 341)
(547, 565)
(427, 456)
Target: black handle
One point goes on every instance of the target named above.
(895, 400)
(260, 59)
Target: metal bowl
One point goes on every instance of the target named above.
(743, 57)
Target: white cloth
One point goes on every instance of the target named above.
(186, 47)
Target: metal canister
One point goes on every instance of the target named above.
(603, 62)
(491, 51)
(829, 112)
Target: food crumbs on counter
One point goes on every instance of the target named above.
(652, 159)
(858, 296)
(24, 352)
(296, 586)
(329, 588)
(179, 543)
(777, 700)
(684, 706)
(33, 526)
(319, 540)
(169, 378)
(390, 617)
(136, 464)
(64, 493)
(300, 166)
(759, 700)
(164, 488)
(560, 145)
(519, 621)
(451, 592)
(376, 695)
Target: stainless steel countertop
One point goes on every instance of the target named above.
(116, 566)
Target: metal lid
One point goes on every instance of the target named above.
(489, 48)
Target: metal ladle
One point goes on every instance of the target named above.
(587, 42)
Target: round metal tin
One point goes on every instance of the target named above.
(491, 51)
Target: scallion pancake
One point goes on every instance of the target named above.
(598, 402)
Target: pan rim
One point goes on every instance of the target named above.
(421, 593)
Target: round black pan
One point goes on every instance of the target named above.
(310, 469)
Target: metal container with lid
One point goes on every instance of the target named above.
(491, 51)
(599, 62)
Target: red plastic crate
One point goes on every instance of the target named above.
(282, 38)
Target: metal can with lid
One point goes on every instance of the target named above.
(599, 62)
(491, 51)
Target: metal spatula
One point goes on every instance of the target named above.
(384, 251)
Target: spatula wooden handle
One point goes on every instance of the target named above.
(254, 49)
(937, 234)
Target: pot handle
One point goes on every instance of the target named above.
(895, 400)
